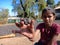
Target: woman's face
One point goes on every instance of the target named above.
(48, 18)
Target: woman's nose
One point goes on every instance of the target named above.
(47, 18)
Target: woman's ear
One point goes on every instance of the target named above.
(54, 17)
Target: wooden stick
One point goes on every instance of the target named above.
(7, 36)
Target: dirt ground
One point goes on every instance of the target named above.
(15, 41)
(18, 39)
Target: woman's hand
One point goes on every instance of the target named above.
(23, 26)
(26, 30)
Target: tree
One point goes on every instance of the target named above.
(25, 7)
(58, 3)
(14, 6)
(50, 3)
(41, 5)
(4, 15)
(22, 7)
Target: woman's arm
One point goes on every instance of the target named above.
(53, 40)
(31, 35)
(28, 30)
(37, 34)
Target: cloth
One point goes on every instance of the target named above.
(47, 34)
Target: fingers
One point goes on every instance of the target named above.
(31, 39)
(17, 24)
(32, 22)
(22, 24)
(28, 25)
(22, 21)
(13, 31)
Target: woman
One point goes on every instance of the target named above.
(49, 30)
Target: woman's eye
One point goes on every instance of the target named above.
(44, 17)
(49, 16)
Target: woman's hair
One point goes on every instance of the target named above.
(48, 9)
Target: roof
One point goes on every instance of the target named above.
(13, 17)
(58, 7)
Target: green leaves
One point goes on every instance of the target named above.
(26, 7)
(50, 2)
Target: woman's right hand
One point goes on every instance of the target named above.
(22, 24)
(27, 30)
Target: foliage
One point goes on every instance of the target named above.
(41, 6)
(4, 15)
(50, 2)
(24, 8)
(58, 3)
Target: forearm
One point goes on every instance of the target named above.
(53, 40)
(17, 31)
(37, 34)
(29, 35)
(34, 35)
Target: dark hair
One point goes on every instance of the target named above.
(48, 9)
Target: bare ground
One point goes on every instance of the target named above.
(19, 39)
